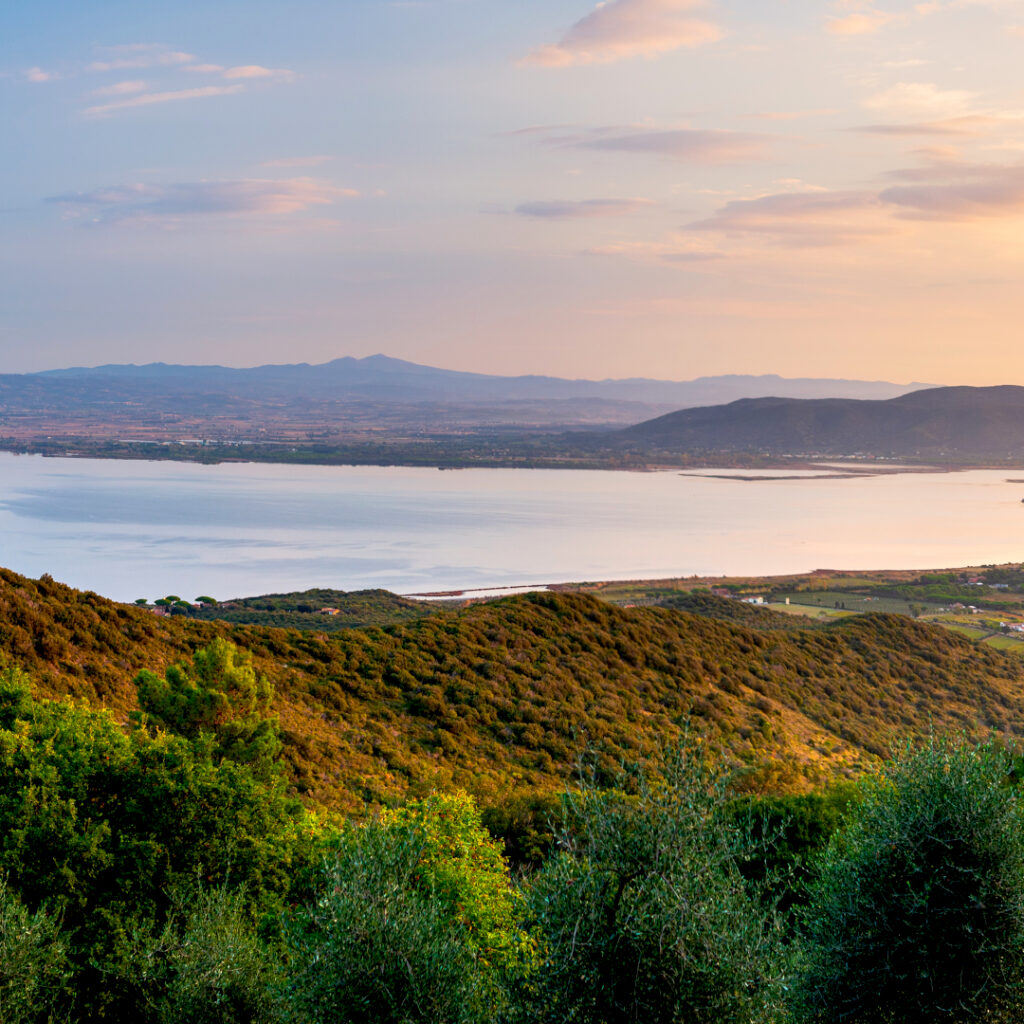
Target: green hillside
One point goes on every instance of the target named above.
(324, 610)
(503, 695)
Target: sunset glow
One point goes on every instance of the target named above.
(662, 188)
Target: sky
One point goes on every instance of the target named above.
(659, 188)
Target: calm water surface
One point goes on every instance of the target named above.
(146, 529)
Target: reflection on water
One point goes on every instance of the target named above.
(143, 529)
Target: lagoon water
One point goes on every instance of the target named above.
(146, 529)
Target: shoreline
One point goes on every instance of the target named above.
(688, 583)
(725, 466)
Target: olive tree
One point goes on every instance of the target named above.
(642, 916)
(918, 914)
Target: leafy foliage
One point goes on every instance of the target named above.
(790, 833)
(206, 965)
(504, 694)
(413, 924)
(34, 971)
(219, 699)
(919, 912)
(643, 916)
(462, 867)
(102, 824)
(305, 610)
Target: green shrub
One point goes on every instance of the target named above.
(102, 824)
(217, 699)
(791, 834)
(414, 923)
(919, 911)
(33, 963)
(206, 965)
(643, 916)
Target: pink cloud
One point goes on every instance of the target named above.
(145, 203)
(149, 98)
(39, 75)
(121, 89)
(623, 29)
(256, 71)
(709, 146)
(970, 124)
(860, 24)
(800, 218)
(981, 193)
(585, 209)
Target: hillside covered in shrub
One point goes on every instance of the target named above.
(503, 695)
(326, 611)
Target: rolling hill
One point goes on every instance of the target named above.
(501, 697)
(961, 422)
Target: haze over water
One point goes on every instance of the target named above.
(146, 529)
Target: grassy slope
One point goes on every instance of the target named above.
(501, 695)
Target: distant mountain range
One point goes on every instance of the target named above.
(372, 395)
(956, 421)
(381, 378)
(380, 400)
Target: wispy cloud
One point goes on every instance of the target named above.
(709, 146)
(860, 23)
(122, 88)
(39, 75)
(240, 71)
(583, 209)
(159, 58)
(800, 219)
(622, 29)
(942, 189)
(140, 55)
(146, 203)
(923, 100)
(256, 71)
(969, 192)
(149, 98)
(864, 18)
(969, 124)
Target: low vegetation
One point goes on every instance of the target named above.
(502, 696)
(917, 914)
(209, 822)
(154, 872)
(324, 611)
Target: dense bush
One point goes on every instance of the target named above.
(207, 965)
(34, 972)
(219, 700)
(413, 924)
(496, 696)
(919, 912)
(642, 916)
(791, 834)
(101, 824)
